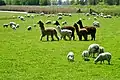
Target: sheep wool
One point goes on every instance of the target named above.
(70, 56)
(103, 56)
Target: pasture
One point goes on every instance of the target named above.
(24, 57)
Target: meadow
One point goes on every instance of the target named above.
(24, 57)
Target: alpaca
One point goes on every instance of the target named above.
(67, 27)
(81, 32)
(91, 30)
(64, 33)
(47, 32)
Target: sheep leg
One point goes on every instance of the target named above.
(69, 37)
(64, 37)
(109, 62)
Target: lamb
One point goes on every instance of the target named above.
(13, 27)
(102, 57)
(85, 55)
(59, 17)
(48, 22)
(101, 50)
(5, 25)
(17, 25)
(22, 18)
(63, 23)
(70, 56)
(29, 28)
(12, 23)
(96, 24)
(34, 25)
(64, 33)
(93, 48)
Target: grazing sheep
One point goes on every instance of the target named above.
(34, 25)
(12, 23)
(17, 25)
(96, 24)
(29, 28)
(87, 14)
(13, 27)
(5, 25)
(42, 13)
(70, 15)
(63, 23)
(101, 50)
(95, 18)
(85, 55)
(64, 33)
(28, 15)
(60, 14)
(48, 22)
(59, 17)
(32, 16)
(49, 32)
(93, 48)
(22, 18)
(109, 16)
(103, 56)
(70, 56)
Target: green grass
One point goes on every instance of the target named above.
(24, 57)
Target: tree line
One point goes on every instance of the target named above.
(59, 2)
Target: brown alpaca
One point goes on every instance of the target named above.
(81, 32)
(91, 30)
(67, 27)
(47, 32)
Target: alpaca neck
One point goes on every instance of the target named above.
(77, 30)
(42, 29)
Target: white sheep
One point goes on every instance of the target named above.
(42, 13)
(103, 56)
(85, 55)
(17, 25)
(63, 23)
(92, 49)
(59, 17)
(12, 23)
(70, 56)
(5, 25)
(13, 27)
(32, 16)
(29, 28)
(96, 24)
(60, 14)
(34, 25)
(22, 18)
(64, 33)
(48, 22)
(101, 50)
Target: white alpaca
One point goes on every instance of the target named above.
(70, 56)
(103, 56)
(85, 54)
(92, 49)
(64, 32)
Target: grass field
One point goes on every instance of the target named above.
(24, 57)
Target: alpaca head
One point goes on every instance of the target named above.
(57, 23)
(80, 23)
(40, 23)
(75, 25)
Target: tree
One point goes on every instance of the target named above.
(44, 2)
(2, 2)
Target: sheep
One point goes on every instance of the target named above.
(5, 25)
(96, 24)
(85, 55)
(60, 14)
(29, 28)
(32, 16)
(109, 16)
(13, 27)
(17, 25)
(12, 23)
(103, 56)
(70, 15)
(93, 48)
(42, 13)
(101, 50)
(48, 22)
(22, 18)
(70, 56)
(87, 14)
(59, 17)
(64, 33)
(95, 18)
(34, 25)
(28, 15)
(63, 23)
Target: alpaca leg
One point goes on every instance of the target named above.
(47, 38)
(85, 37)
(41, 37)
(80, 37)
(93, 37)
(64, 37)
(57, 37)
(52, 38)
